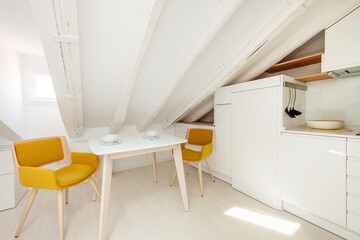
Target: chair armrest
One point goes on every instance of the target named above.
(206, 151)
(85, 158)
(37, 177)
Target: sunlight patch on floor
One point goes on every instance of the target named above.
(272, 223)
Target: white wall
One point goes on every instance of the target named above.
(334, 99)
(11, 102)
(41, 119)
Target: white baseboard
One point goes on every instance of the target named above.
(331, 227)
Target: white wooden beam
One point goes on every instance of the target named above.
(200, 110)
(57, 21)
(7, 132)
(250, 68)
(223, 12)
(141, 39)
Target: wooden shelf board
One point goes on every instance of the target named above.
(211, 124)
(299, 62)
(314, 77)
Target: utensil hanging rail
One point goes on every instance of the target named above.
(296, 86)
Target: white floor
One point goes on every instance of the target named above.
(142, 209)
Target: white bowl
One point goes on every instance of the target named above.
(151, 133)
(325, 124)
(110, 138)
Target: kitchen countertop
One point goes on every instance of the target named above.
(327, 133)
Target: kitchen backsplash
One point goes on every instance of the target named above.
(334, 99)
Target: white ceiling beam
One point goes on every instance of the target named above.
(218, 19)
(7, 132)
(57, 21)
(141, 39)
(200, 110)
(256, 65)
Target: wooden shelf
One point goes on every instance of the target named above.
(299, 62)
(211, 124)
(314, 77)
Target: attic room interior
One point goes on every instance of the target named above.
(166, 119)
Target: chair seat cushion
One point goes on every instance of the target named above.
(191, 155)
(73, 174)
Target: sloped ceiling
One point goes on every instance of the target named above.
(188, 50)
(17, 27)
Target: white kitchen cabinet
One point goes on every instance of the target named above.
(313, 175)
(254, 141)
(353, 184)
(11, 189)
(223, 139)
(342, 48)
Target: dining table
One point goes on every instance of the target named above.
(131, 145)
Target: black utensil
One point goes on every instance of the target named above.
(287, 109)
(293, 110)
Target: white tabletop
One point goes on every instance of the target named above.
(133, 142)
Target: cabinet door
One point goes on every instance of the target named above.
(255, 143)
(342, 48)
(223, 139)
(313, 173)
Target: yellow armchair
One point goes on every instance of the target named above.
(29, 157)
(201, 137)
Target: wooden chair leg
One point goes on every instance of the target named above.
(173, 178)
(208, 165)
(26, 212)
(93, 184)
(187, 169)
(61, 213)
(200, 179)
(66, 196)
(155, 168)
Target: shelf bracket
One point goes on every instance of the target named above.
(296, 86)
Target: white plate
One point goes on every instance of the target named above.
(151, 138)
(325, 124)
(111, 143)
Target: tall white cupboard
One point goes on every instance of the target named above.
(255, 143)
(249, 118)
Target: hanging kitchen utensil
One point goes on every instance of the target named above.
(287, 109)
(293, 110)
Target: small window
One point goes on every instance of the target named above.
(42, 89)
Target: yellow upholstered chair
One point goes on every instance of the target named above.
(202, 137)
(30, 155)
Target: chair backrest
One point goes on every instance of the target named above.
(199, 136)
(37, 152)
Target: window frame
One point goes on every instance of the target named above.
(32, 98)
(31, 65)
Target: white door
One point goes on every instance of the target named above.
(342, 48)
(255, 143)
(223, 139)
(313, 175)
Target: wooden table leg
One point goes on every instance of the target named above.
(181, 176)
(155, 168)
(97, 177)
(105, 194)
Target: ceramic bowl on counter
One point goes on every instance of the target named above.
(325, 124)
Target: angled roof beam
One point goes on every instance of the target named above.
(216, 22)
(57, 21)
(142, 37)
(200, 110)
